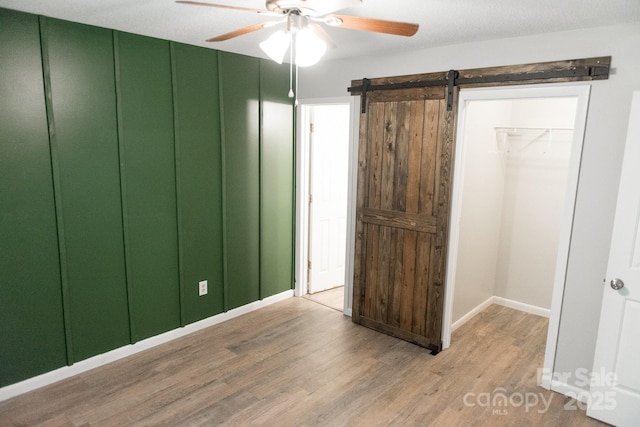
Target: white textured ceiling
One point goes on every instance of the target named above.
(442, 22)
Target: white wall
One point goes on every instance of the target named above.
(535, 182)
(602, 154)
(513, 195)
(480, 205)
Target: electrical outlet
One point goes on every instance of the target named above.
(203, 288)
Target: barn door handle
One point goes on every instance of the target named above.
(617, 284)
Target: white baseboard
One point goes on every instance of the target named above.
(119, 353)
(516, 305)
(464, 319)
(527, 308)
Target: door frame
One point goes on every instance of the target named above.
(302, 193)
(580, 91)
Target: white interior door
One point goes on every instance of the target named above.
(615, 388)
(328, 195)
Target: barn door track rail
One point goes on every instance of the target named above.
(543, 72)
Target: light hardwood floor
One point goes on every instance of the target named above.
(332, 298)
(298, 363)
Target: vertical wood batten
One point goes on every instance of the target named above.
(223, 156)
(133, 338)
(147, 138)
(261, 85)
(57, 191)
(178, 181)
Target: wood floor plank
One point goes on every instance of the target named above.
(333, 298)
(299, 363)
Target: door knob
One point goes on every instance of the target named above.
(617, 284)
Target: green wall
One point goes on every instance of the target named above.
(131, 168)
(84, 145)
(240, 91)
(31, 311)
(276, 230)
(199, 152)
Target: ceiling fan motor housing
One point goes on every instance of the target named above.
(309, 7)
(285, 7)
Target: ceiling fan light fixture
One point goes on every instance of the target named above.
(276, 45)
(309, 47)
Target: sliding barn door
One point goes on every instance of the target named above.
(404, 179)
(404, 185)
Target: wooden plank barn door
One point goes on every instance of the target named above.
(404, 180)
(405, 164)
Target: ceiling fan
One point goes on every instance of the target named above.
(303, 32)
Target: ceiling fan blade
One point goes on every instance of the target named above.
(220, 6)
(375, 25)
(242, 31)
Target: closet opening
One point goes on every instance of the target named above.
(514, 189)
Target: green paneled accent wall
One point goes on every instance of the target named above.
(31, 323)
(198, 140)
(132, 168)
(86, 145)
(146, 137)
(240, 85)
(277, 183)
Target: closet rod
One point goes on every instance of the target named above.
(533, 135)
(519, 130)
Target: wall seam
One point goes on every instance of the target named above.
(57, 191)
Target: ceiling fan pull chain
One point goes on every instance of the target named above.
(291, 94)
(295, 102)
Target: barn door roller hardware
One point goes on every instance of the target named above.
(451, 83)
(545, 72)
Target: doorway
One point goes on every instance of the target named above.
(325, 189)
(515, 184)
